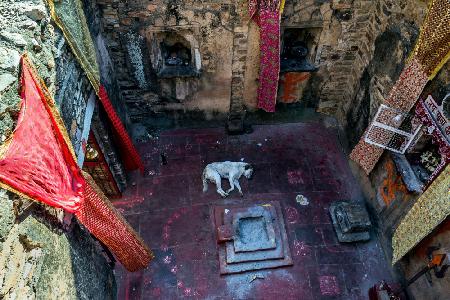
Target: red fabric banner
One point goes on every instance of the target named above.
(37, 162)
(131, 158)
(103, 220)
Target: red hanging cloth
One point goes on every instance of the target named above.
(38, 162)
(131, 158)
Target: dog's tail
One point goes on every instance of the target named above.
(205, 183)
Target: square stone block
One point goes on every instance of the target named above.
(259, 239)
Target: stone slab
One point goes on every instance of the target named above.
(239, 267)
(254, 229)
(346, 237)
(277, 252)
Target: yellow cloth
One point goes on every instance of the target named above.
(432, 48)
(431, 52)
(430, 210)
(283, 2)
(70, 18)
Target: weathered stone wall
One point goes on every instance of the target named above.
(41, 260)
(343, 34)
(39, 257)
(343, 37)
(134, 31)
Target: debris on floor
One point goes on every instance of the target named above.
(302, 200)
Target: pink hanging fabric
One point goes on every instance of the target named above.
(268, 18)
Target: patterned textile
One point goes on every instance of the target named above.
(432, 49)
(403, 96)
(430, 210)
(70, 18)
(252, 7)
(270, 59)
(106, 223)
(438, 137)
(408, 87)
(131, 158)
(37, 162)
(431, 52)
(268, 19)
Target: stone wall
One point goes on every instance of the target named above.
(40, 258)
(135, 32)
(343, 35)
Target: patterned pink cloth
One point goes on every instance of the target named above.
(270, 59)
(403, 96)
(268, 18)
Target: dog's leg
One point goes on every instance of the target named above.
(231, 180)
(218, 182)
(236, 183)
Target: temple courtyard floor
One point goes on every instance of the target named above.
(175, 218)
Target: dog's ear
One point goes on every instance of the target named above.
(248, 166)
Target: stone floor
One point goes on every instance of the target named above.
(169, 210)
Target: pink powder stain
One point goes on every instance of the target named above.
(169, 147)
(292, 215)
(301, 249)
(180, 284)
(188, 292)
(167, 260)
(174, 269)
(166, 234)
(156, 292)
(147, 280)
(295, 177)
(129, 202)
(329, 286)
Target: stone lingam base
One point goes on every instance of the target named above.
(350, 221)
(251, 238)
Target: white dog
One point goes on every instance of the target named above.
(214, 172)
